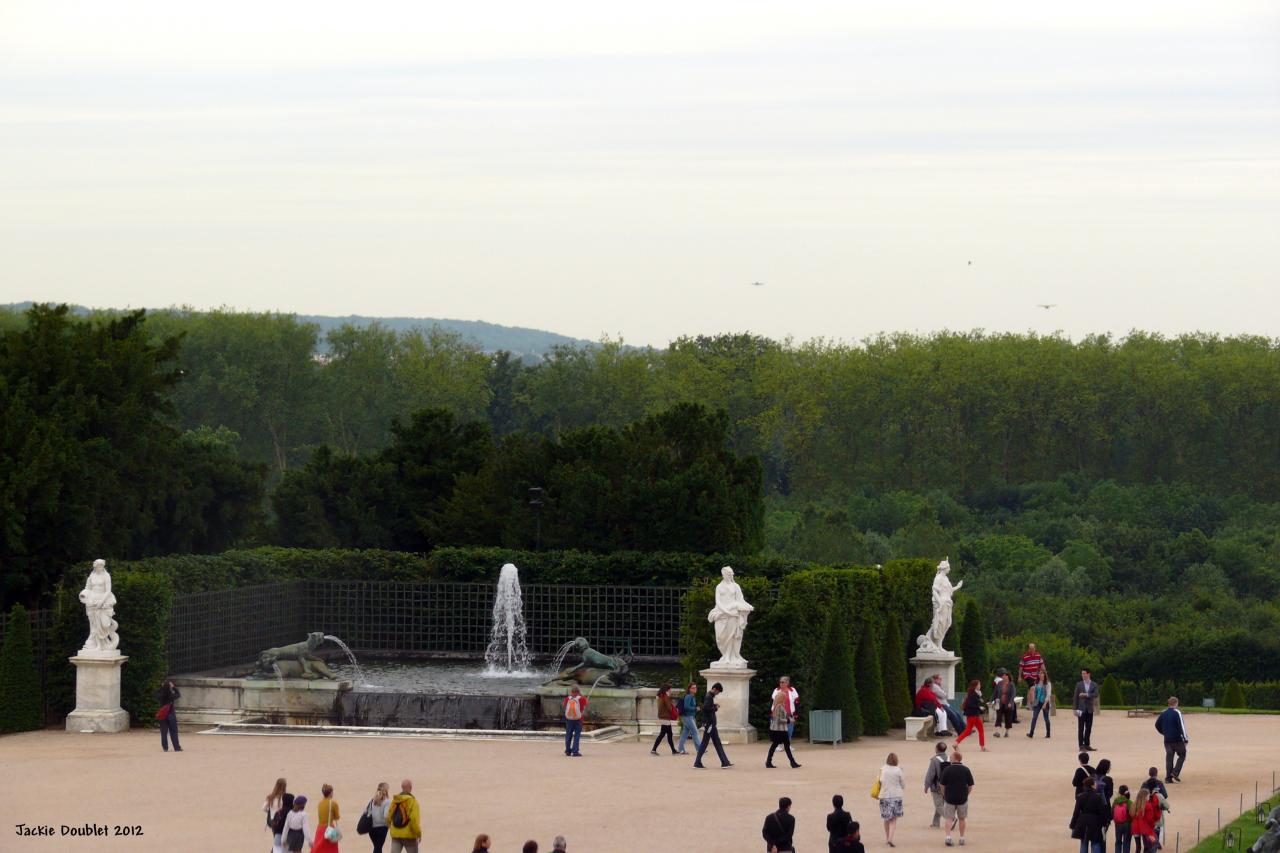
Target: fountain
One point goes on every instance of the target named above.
(508, 651)
(359, 676)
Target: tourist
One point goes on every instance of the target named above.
(933, 782)
(1173, 726)
(575, 708)
(277, 823)
(973, 706)
(784, 688)
(406, 820)
(327, 814)
(379, 811)
(1004, 696)
(954, 718)
(530, 846)
(273, 806)
(927, 705)
(1089, 819)
(710, 732)
(1153, 782)
(1102, 781)
(1143, 820)
(779, 829)
(892, 790)
(295, 826)
(838, 826)
(481, 844)
(779, 726)
(1040, 698)
(1030, 665)
(168, 716)
(1084, 771)
(688, 718)
(957, 784)
(1121, 812)
(853, 842)
(1083, 702)
(558, 843)
(667, 713)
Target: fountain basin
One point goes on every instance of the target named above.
(232, 698)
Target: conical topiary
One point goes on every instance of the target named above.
(19, 679)
(1233, 696)
(973, 644)
(866, 673)
(836, 690)
(1110, 691)
(893, 671)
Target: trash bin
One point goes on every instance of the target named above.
(825, 727)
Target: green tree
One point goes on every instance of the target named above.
(20, 702)
(973, 643)
(1109, 693)
(875, 716)
(893, 670)
(1233, 696)
(836, 688)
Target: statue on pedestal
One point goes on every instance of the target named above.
(100, 607)
(730, 619)
(931, 641)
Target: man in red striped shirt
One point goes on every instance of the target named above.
(1029, 665)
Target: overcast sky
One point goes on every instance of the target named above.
(594, 168)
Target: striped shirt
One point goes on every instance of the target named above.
(1030, 665)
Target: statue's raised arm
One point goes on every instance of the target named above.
(729, 617)
(931, 641)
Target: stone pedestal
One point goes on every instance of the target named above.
(732, 716)
(930, 664)
(98, 694)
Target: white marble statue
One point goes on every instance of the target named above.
(931, 642)
(100, 607)
(730, 619)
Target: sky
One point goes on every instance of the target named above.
(601, 169)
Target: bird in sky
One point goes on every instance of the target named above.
(1047, 305)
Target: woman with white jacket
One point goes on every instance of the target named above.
(892, 788)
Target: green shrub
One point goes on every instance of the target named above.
(1110, 693)
(20, 703)
(866, 673)
(1263, 695)
(973, 644)
(1233, 696)
(835, 688)
(893, 671)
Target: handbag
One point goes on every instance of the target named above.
(331, 832)
(875, 789)
(365, 823)
(165, 709)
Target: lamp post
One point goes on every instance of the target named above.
(535, 502)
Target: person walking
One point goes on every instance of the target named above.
(1173, 726)
(710, 732)
(1152, 782)
(1143, 820)
(406, 820)
(1040, 699)
(667, 714)
(1084, 771)
(559, 844)
(892, 790)
(273, 806)
(973, 706)
(957, 784)
(481, 844)
(1089, 819)
(1102, 781)
(688, 718)
(278, 844)
(779, 730)
(1005, 694)
(379, 812)
(838, 826)
(1121, 812)
(1083, 701)
(327, 815)
(575, 708)
(168, 716)
(295, 826)
(793, 701)
(779, 829)
(933, 782)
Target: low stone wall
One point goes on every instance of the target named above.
(222, 699)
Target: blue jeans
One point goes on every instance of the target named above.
(1035, 715)
(688, 729)
(1092, 846)
(572, 734)
(1124, 838)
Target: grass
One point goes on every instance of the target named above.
(1194, 710)
(1249, 829)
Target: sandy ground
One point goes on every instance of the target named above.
(616, 798)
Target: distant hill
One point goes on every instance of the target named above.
(528, 344)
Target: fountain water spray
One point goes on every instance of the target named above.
(359, 676)
(508, 651)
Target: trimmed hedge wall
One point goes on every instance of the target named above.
(20, 699)
(786, 634)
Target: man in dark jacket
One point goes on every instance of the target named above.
(1084, 771)
(1089, 820)
(779, 828)
(1082, 702)
(1171, 724)
(710, 733)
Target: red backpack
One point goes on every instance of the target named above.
(1120, 812)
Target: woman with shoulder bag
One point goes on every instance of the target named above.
(892, 789)
(667, 715)
(273, 806)
(779, 728)
(327, 813)
(168, 716)
(1040, 698)
(973, 707)
(373, 820)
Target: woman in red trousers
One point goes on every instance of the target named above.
(972, 707)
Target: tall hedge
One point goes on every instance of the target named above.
(866, 672)
(1109, 693)
(1233, 696)
(898, 700)
(20, 703)
(835, 688)
(973, 644)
